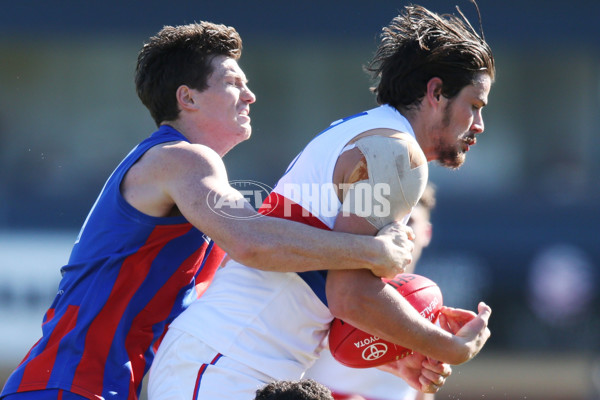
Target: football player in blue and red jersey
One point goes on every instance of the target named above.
(147, 247)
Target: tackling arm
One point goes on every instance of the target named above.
(181, 176)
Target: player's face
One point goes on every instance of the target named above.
(461, 121)
(224, 106)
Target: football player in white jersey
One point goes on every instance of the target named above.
(251, 326)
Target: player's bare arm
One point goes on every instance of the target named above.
(179, 177)
(368, 303)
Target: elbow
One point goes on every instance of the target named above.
(345, 305)
(337, 308)
(352, 294)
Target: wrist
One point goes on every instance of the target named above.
(374, 252)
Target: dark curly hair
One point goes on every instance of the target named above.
(180, 55)
(306, 389)
(419, 45)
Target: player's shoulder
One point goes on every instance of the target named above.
(384, 132)
(182, 148)
(352, 163)
(183, 155)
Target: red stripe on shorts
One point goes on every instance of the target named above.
(201, 372)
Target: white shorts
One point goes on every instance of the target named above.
(187, 369)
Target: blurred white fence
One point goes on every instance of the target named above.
(30, 263)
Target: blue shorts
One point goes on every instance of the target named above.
(48, 394)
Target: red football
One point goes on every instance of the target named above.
(358, 349)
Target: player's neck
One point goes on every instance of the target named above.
(420, 122)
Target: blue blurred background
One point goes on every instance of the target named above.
(517, 226)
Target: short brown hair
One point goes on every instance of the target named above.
(180, 55)
(419, 45)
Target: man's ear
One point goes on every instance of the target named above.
(185, 97)
(434, 91)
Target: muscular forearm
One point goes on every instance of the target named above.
(377, 308)
(285, 246)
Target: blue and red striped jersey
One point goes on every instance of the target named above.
(129, 275)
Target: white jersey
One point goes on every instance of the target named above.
(272, 321)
